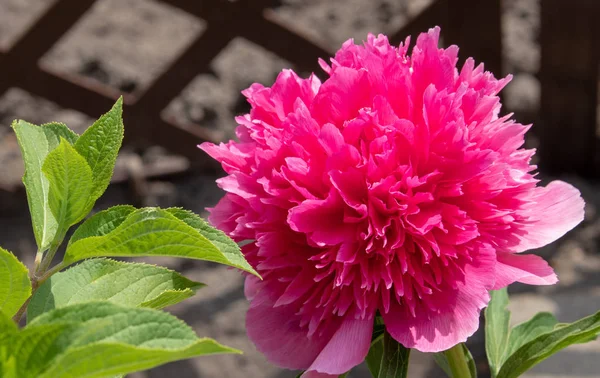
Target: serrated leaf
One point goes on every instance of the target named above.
(102, 222)
(228, 247)
(157, 232)
(547, 344)
(56, 130)
(104, 340)
(128, 284)
(35, 143)
(497, 329)
(168, 298)
(394, 360)
(15, 286)
(71, 184)
(100, 145)
(442, 361)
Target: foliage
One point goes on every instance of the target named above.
(99, 318)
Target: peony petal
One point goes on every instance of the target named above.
(555, 210)
(321, 220)
(458, 315)
(342, 96)
(277, 334)
(528, 269)
(347, 348)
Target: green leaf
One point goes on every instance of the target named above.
(71, 184)
(157, 232)
(394, 361)
(374, 356)
(102, 222)
(35, 143)
(6, 325)
(8, 329)
(546, 344)
(217, 238)
(497, 330)
(442, 361)
(15, 286)
(100, 145)
(523, 333)
(122, 283)
(35, 347)
(56, 130)
(101, 339)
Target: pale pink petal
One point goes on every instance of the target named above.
(277, 334)
(555, 210)
(528, 269)
(354, 339)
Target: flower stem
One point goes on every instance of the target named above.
(458, 363)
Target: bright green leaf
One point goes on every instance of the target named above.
(442, 361)
(71, 184)
(15, 286)
(36, 142)
(169, 298)
(547, 344)
(497, 329)
(102, 222)
(56, 130)
(157, 232)
(394, 361)
(6, 325)
(100, 145)
(523, 333)
(128, 284)
(104, 340)
(8, 329)
(222, 242)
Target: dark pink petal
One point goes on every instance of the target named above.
(528, 269)
(342, 96)
(457, 315)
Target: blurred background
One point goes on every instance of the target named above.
(180, 64)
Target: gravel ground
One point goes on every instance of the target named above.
(126, 44)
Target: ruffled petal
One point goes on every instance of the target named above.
(528, 269)
(457, 316)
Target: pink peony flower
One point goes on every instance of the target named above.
(392, 187)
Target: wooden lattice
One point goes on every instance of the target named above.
(252, 20)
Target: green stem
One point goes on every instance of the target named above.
(45, 264)
(41, 272)
(458, 363)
